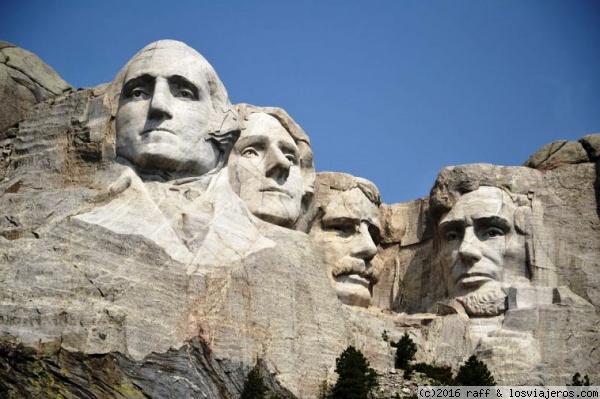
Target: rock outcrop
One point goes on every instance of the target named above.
(133, 275)
(26, 81)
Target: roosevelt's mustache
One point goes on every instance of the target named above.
(350, 265)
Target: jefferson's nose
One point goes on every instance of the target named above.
(277, 166)
(363, 246)
(469, 251)
(160, 104)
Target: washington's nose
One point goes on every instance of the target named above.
(160, 104)
(469, 251)
(277, 165)
(363, 246)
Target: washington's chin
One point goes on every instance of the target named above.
(168, 157)
(352, 290)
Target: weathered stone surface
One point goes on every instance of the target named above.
(271, 165)
(114, 260)
(126, 276)
(344, 225)
(558, 153)
(591, 143)
(565, 225)
(400, 224)
(25, 81)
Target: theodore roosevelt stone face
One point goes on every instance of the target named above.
(165, 109)
(347, 235)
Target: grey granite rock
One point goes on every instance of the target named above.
(557, 153)
(117, 281)
(25, 81)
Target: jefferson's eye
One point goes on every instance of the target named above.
(292, 158)
(249, 152)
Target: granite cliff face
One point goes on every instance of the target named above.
(128, 269)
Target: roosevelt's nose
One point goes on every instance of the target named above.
(160, 104)
(469, 250)
(277, 166)
(363, 246)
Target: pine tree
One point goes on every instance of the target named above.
(254, 386)
(406, 350)
(474, 373)
(355, 376)
(324, 390)
(576, 382)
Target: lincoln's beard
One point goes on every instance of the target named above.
(485, 303)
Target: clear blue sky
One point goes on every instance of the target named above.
(388, 90)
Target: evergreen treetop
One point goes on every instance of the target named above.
(254, 386)
(474, 373)
(355, 376)
(406, 350)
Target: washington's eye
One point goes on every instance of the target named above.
(186, 93)
(249, 152)
(138, 92)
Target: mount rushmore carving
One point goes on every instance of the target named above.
(153, 225)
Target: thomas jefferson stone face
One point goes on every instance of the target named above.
(480, 249)
(164, 111)
(265, 169)
(346, 235)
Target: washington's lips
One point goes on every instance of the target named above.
(156, 129)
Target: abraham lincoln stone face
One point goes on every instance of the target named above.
(481, 251)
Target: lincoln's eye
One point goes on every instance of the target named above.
(493, 232)
(136, 93)
(452, 235)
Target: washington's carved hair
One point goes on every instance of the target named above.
(223, 126)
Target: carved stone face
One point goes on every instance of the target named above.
(164, 111)
(345, 235)
(480, 249)
(264, 169)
